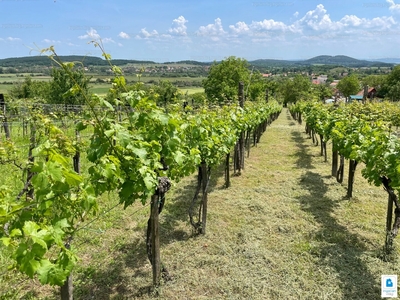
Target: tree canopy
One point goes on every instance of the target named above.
(294, 89)
(63, 86)
(221, 84)
(349, 85)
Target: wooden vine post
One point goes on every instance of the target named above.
(31, 159)
(241, 139)
(155, 241)
(340, 171)
(153, 230)
(352, 170)
(4, 116)
(204, 186)
(335, 157)
(391, 230)
(227, 175)
(323, 147)
(68, 288)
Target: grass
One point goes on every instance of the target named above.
(284, 230)
(192, 90)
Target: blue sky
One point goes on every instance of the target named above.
(202, 30)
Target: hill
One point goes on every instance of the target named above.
(342, 60)
(85, 60)
(338, 60)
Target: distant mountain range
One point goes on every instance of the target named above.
(339, 60)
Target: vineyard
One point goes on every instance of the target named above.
(365, 134)
(75, 175)
(132, 147)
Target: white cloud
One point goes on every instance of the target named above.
(124, 35)
(317, 19)
(315, 25)
(239, 28)
(268, 25)
(178, 26)
(212, 30)
(12, 39)
(90, 34)
(107, 40)
(51, 41)
(393, 6)
(144, 34)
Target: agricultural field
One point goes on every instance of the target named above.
(7, 80)
(283, 222)
(101, 88)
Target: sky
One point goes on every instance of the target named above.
(202, 30)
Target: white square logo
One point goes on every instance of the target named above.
(389, 286)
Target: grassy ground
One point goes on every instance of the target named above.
(284, 230)
(192, 90)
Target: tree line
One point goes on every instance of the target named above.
(220, 86)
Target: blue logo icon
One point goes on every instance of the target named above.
(389, 282)
(389, 286)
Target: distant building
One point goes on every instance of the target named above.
(355, 98)
(321, 79)
(334, 83)
(370, 94)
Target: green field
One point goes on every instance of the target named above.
(8, 80)
(192, 90)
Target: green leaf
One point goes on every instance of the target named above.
(44, 269)
(29, 267)
(149, 181)
(15, 232)
(123, 137)
(30, 228)
(55, 171)
(140, 152)
(6, 241)
(108, 104)
(73, 179)
(81, 126)
(179, 157)
(40, 181)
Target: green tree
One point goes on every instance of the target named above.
(166, 93)
(375, 81)
(295, 89)
(391, 86)
(378, 82)
(223, 79)
(257, 86)
(394, 77)
(30, 89)
(323, 91)
(198, 98)
(394, 92)
(63, 86)
(349, 85)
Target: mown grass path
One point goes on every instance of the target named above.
(283, 230)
